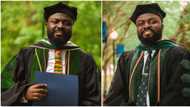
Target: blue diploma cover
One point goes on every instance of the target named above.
(62, 89)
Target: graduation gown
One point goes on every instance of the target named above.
(169, 81)
(34, 58)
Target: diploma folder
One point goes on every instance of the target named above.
(63, 90)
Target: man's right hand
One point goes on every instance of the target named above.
(36, 92)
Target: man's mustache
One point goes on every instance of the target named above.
(58, 30)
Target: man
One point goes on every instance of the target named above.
(157, 72)
(55, 55)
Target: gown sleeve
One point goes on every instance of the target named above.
(117, 94)
(177, 87)
(89, 85)
(15, 74)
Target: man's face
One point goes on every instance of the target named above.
(149, 28)
(59, 28)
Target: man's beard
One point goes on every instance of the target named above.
(151, 40)
(60, 40)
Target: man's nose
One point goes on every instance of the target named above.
(147, 25)
(60, 25)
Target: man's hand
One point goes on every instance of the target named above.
(36, 92)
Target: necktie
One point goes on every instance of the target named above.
(143, 87)
(58, 61)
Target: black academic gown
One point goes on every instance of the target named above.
(174, 88)
(89, 79)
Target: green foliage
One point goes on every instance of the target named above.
(22, 25)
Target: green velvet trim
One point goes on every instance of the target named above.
(185, 78)
(186, 65)
(159, 45)
(39, 61)
(132, 95)
(186, 92)
(153, 80)
(75, 61)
